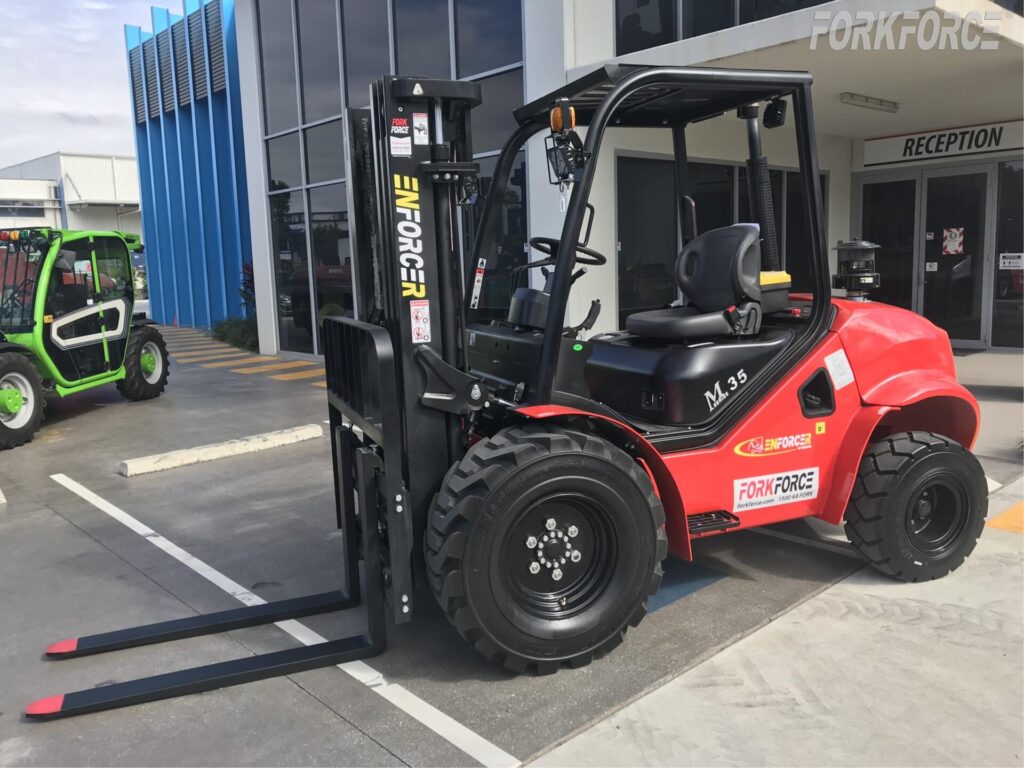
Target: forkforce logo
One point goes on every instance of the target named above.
(773, 490)
(894, 31)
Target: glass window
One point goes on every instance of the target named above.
(510, 239)
(21, 212)
(1017, 6)
(365, 25)
(648, 235)
(291, 271)
(318, 59)
(492, 121)
(712, 192)
(277, 64)
(754, 10)
(325, 152)
(703, 16)
(1008, 303)
(796, 252)
(332, 252)
(641, 24)
(284, 165)
(112, 264)
(71, 285)
(489, 34)
(422, 47)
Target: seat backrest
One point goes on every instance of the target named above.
(721, 268)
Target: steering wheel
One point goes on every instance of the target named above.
(548, 245)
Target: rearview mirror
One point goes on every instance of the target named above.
(775, 113)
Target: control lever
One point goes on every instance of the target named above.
(589, 321)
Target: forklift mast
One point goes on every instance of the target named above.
(410, 156)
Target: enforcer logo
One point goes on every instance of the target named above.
(410, 236)
(894, 31)
(773, 446)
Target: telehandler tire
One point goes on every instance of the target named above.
(918, 506)
(145, 365)
(21, 411)
(543, 545)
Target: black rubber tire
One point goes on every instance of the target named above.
(15, 362)
(134, 385)
(482, 499)
(891, 476)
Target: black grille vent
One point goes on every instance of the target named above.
(198, 54)
(163, 49)
(181, 62)
(138, 96)
(215, 40)
(149, 64)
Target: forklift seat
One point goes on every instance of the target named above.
(719, 273)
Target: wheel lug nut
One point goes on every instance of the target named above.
(576, 556)
(573, 531)
(550, 524)
(535, 567)
(557, 574)
(531, 542)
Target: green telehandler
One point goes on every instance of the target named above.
(67, 324)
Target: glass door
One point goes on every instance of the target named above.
(648, 229)
(1008, 286)
(889, 215)
(955, 246)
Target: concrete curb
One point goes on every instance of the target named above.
(158, 462)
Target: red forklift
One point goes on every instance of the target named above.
(537, 478)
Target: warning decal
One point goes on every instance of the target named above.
(953, 241)
(839, 369)
(420, 128)
(773, 490)
(478, 282)
(420, 311)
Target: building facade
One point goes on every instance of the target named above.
(188, 137)
(72, 189)
(945, 211)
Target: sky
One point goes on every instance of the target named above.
(64, 76)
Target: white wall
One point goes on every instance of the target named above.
(41, 192)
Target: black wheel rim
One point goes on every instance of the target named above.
(560, 555)
(937, 515)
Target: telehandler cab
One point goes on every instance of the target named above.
(537, 478)
(67, 324)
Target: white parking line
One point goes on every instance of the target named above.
(454, 732)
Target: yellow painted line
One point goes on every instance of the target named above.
(274, 367)
(321, 384)
(228, 363)
(299, 375)
(207, 351)
(186, 348)
(210, 357)
(1011, 519)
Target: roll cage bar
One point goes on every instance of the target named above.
(658, 97)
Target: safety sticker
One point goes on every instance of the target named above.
(420, 310)
(478, 283)
(953, 241)
(420, 128)
(774, 490)
(839, 369)
(401, 146)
